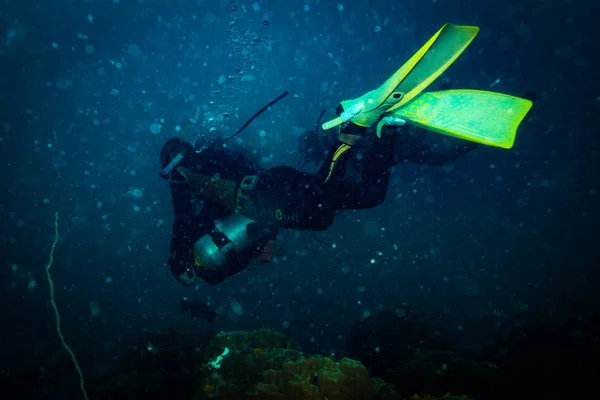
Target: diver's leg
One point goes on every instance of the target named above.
(186, 228)
(372, 189)
(378, 165)
(334, 167)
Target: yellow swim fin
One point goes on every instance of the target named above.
(475, 115)
(414, 76)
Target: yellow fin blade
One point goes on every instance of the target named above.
(475, 115)
(433, 59)
(424, 67)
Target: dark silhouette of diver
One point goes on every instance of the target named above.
(228, 210)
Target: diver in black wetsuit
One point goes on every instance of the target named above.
(194, 215)
(410, 146)
(228, 210)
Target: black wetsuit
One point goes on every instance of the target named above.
(283, 197)
(193, 216)
(411, 147)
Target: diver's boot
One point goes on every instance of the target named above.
(425, 66)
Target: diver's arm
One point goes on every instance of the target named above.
(425, 155)
(181, 258)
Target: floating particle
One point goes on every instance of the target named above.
(237, 308)
(155, 128)
(134, 50)
(137, 193)
(95, 309)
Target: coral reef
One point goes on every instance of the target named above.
(264, 365)
(256, 365)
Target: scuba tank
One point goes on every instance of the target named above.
(234, 238)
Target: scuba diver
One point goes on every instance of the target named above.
(228, 210)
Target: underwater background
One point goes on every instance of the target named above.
(492, 259)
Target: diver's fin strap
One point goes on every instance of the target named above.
(342, 148)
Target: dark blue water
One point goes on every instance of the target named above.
(492, 243)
